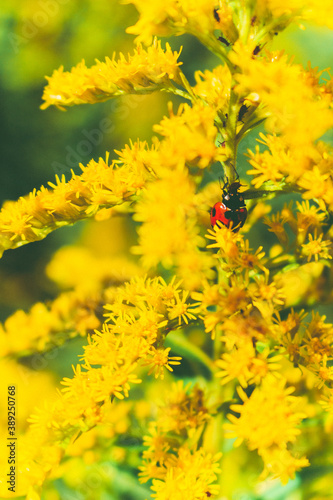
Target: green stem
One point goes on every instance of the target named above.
(176, 91)
(244, 23)
(180, 344)
(251, 194)
(231, 129)
(216, 48)
(248, 126)
(186, 84)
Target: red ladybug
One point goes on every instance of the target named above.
(231, 211)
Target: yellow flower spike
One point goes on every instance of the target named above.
(48, 326)
(182, 414)
(269, 292)
(319, 328)
(288, 216)
(208, 297)
(225, 22)
(144, 72)
(169, 224)
(100, 186)
(269, 166)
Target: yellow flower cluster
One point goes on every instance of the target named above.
(273, 429)
(173, 17)
(246, 365)
(47, 327)
(100, 185)
(309, 344)
(307, 228)
(144, 72)
(169, 231)
(72, 313)
(133, 334)
(214, 86)
(172, 456)
(308, 172)
(240, 312)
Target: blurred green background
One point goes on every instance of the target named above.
(37, 37)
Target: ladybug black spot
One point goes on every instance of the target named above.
(213, 212)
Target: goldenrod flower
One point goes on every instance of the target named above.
(168, 218)
(282, 464)
(144, 72)
(226, 241)
(309, 218)
(289, 97)
(246, 365)
(266, 297)
(287, 215)
(100, 185)
(316, 247)
(160, 359)
(244, 327)
(241, 298)
(268, 166)
(47, 327)
(318, 328)
(214, 86)
(190, 474)
(178, 422)
(327, 401)
(276, 226)
(308, 9)
(323, 372)
(269, 417)
(190, 136)
(250, 261)
(173, 17)
(180, 309)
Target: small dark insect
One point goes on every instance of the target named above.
(231, 211)
(223, 40)
(242, 111)
(216, 16)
